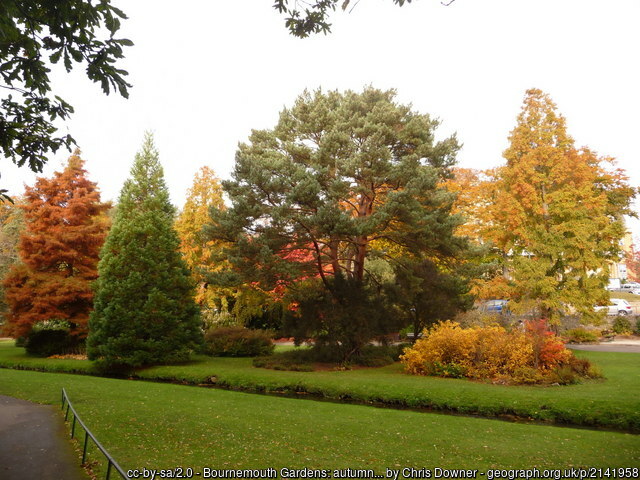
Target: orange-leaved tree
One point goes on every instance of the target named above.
(632, 260)
(559, 209)
(66, 224)
(476, 192)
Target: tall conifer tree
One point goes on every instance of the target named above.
(561, 212)
(144, 308)
(65, 228)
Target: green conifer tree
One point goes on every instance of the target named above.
(342, 180)
(144, 310)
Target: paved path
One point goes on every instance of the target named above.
(625, 346)
(34, 443)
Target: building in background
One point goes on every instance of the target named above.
(623, 269)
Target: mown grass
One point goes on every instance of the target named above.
(628, 296)
(611, 403)
(155, 425)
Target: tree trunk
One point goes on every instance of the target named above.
(365, 208)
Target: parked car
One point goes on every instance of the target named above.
(496, 306)
(630, 287)
(617, 306)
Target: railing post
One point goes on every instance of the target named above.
(84, 449)
(111, 463)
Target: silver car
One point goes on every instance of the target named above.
(617, 306)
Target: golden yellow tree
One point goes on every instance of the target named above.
(198, 252)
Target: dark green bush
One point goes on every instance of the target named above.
(580, 335)
(342, 319)
(237, 342)
(637, 329)
(621, 325)
(52, 338)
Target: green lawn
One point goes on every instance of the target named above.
(629, 297)
(155, 425)
(613, 403)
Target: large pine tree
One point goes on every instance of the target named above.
(144, 309)
(342, 180)
(65, 227)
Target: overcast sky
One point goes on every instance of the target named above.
(208, 72)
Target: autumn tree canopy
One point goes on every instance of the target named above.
(338, 174)
(197, 251)
(144, 312)
(632, 260)
(476, 192)
(65, 228)
(560, 213)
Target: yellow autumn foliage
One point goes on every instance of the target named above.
(485, 352)
(198, 251)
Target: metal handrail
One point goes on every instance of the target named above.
(87, 435)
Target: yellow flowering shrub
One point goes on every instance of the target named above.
(490, 352)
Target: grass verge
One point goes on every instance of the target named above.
(612, 403)
(628, 296)
(154, 425)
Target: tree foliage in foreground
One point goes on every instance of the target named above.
(560, 211)
(65, 228)
(315, 17)
(33, 36)
(340, 177)
(144, 310)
